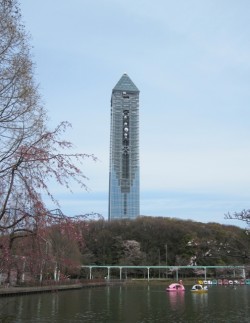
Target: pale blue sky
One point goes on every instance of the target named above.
(191, 61)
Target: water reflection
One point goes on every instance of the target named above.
(54, 304)
(199, 299)
(108, 298)
(19, 307)
(140, 303)
(176, 299)
(39, 306)
(148, 297)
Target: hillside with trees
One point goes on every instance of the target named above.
(161, 241)
(151, 241)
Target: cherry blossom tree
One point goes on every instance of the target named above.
(52, 253)
(31, 155)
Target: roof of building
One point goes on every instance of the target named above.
(125, 84)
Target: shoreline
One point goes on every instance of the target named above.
(15, 291)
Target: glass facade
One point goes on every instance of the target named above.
(124, 177)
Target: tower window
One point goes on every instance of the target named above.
(125, 95)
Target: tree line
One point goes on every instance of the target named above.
(164, 241)
(155, 241)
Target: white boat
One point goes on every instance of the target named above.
(197, 288)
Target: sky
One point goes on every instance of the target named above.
(190, 60)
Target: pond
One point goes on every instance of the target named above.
(138, 303)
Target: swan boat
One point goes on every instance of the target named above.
(197, 288)
(175, 287)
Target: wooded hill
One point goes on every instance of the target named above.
(58, 250)
(160, 241)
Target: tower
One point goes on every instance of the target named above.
(124, 170)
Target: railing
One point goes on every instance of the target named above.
(168, 269)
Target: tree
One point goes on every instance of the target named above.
(244, 215)
(242, 251)
(63, 249)
(188, 243)
(30, 154)
(53, 251)
(132, 253)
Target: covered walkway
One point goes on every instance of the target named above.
(176, 269)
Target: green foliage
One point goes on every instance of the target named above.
(161, 241)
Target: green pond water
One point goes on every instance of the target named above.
(130, 303)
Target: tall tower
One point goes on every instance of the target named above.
(124, 170)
